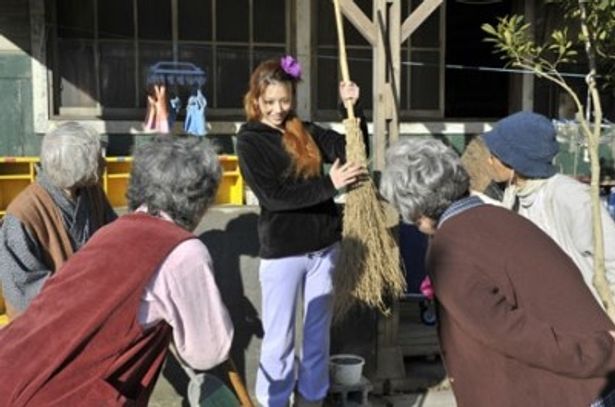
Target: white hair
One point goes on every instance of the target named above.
(423, 177)
(71, 155)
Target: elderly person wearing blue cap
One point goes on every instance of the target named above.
(522, 148)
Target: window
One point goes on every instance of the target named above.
(472, 93)
(101, 50)
(422, 65)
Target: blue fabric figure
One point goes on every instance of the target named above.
(195, 115)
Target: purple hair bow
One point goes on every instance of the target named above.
(291, 66)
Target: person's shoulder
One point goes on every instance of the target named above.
(193, 246)
(252, 131)
(566, 181)
(565, 188)
(314, 127)
(187, 256)
(251, 127)
(27, 202)
(479, 219)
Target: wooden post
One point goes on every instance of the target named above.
(385, 33)
(303, 20)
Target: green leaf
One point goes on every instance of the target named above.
(507, 37)
(489, 29)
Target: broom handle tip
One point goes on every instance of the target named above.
(343, 57)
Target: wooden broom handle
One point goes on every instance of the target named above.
(238, 386)
(343, 58)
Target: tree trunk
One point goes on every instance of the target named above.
(593, 143)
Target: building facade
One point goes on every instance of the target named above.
(89, 60)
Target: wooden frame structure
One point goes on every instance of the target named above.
(385, 32)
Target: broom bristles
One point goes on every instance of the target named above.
(368, 270)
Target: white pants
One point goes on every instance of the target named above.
(282, 282)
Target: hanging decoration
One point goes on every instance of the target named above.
(163, 102)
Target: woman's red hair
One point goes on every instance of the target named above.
(297, 141)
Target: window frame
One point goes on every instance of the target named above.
(410, 48)
(407, 46)
(50, 53)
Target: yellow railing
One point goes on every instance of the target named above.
(3, 318)
(16, 173)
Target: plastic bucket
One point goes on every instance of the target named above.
(346, 369)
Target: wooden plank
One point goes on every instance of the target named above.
(12, 117)
(361, 22)
(417, 17)
(40, 89)
(380, 134)
(303, 23)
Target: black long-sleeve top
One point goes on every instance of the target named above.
(297, 215)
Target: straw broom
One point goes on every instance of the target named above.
(368, 270)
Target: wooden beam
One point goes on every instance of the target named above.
(302, 20)
(360, 21)
(417, 17)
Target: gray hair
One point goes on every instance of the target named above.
(71, 155)
(423, 177)
(178, 176)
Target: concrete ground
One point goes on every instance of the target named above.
(230, 235)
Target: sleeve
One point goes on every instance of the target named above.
(482, 310)
(608, 230)
(22, 270)
(574, 205)
(275, 191)
(185, 295)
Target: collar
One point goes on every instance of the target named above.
(458, 207)
(161, 214)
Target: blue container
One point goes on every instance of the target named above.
(413, 248)
(610, 204)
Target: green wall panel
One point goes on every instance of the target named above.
(17, 137)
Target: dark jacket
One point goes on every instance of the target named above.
(518, 325)
(79, 343)
(297, 215)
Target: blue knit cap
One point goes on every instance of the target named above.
(525, 142)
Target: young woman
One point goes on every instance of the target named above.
(299, 228)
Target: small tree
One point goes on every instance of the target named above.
(596, 22)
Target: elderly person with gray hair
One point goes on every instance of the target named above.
(141, 282)
(517, 324)
(54, 216)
